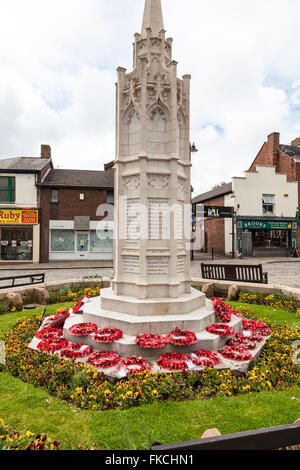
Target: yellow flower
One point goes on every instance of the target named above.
(154, 393)
(107, 393)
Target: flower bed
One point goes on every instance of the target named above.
(86, 387)
(13, 440)
(276, 300)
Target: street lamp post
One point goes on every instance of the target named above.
(193, 149)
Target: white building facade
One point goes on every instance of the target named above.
(265, 205)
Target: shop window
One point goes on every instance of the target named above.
(54, 196)
(16, 244)
(62, 240)
(101, 241)
(7, 189)
(268, 203)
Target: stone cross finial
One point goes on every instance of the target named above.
(153, 18)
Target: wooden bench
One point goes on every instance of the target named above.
(262, 439)
(234, 272)
(19, 281)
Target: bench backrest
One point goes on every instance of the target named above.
(233, 272)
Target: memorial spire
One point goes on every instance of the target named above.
(153, 17)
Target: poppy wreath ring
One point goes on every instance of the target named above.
(47, 333)
(202, 355)
(139, 364)
(104, 359)
(83, 329)
(220, 330)
(221, 310)
(71, 353)
(172, 361)
(53, 344)
(182, 337)
(57, 320)
(236, 353)
(238, 341)
(107, 335)
(151, 341)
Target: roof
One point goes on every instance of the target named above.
(290, 150)
(81, 178)
(222, 190)
(24, 164)
(108, 166)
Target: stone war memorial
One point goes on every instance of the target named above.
(151, 318)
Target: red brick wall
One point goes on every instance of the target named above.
(286, 165)
(69, 205)
(261, 158)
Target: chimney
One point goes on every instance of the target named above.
(273, 148)
(296, 142)
(45, 151)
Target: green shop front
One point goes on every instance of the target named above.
(262, 237)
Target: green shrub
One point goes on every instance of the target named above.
(4, 307)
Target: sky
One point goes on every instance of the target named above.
(58, 62)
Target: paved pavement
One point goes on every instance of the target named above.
(281, 271)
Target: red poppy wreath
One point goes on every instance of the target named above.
(182, 337)
(83, 329)
(134, 365)
(104, 359)
(151, 341)
(173, 361)
(107, 335)
(52, 344)
(220, 330)
(199, 357)
(236, 353)
(221, 310)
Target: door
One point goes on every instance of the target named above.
(82, 245)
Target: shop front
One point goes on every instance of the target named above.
(260, 237)
(70, 242)
(19, 235)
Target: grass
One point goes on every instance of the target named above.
(8, 320)
(271, 314)
(27, 408)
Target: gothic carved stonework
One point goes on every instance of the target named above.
(158, 181)
(157, 110)
(180, 184)
(131, 183)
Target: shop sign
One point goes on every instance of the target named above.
(19, 216)
(265, 225)
(220, 212)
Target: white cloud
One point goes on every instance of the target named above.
(58, 62)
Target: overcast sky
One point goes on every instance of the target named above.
(58, 63)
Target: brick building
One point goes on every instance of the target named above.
(265, 202)
(20, 209)
(77, 215)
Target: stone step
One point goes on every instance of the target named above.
(196, 320)
(127, 347)
(182, 305)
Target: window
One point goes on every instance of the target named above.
(268, 203)
(54, 196)
(102, 240)
(62, 240)
(16, 243)
(7, 189)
